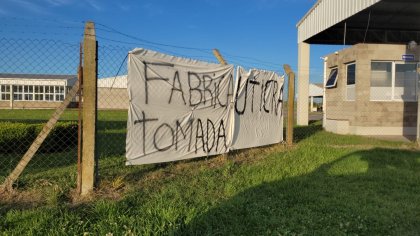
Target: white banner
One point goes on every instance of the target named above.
(258, 109)
(179, 108)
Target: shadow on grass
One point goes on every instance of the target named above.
(111, 138)
(366, 192)
(303, 132)
(40, 162)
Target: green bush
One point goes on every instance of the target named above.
(17, 137)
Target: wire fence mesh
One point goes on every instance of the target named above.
(112, 108)
(35, 78)
(37, 74)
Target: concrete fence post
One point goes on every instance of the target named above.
(290, 104)
(219, 57)
(90, 69)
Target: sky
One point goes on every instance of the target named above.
(251, 33)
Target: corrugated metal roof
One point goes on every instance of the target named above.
(71, 79)
(326, 13)
(36, 76)
(315, 90)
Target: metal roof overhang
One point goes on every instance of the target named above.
(384, 21)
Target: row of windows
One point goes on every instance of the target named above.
(389, 81)
(32, 93)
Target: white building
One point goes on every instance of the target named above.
(34, 90)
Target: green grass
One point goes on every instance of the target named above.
(35, 115)
(111, 139)
(326, 185)
(42, 115)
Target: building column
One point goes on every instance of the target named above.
(324, 98)
(11, 96)
(312, 104)
(303, 83)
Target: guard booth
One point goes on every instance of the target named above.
(371, 87)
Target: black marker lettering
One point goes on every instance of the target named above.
(143, 120)
(253, 83)
(206, 88)
(219, 135)
(196, 88)
(237, 97)
(273, 98)
(280, 100)
(201, 136)
(184, 134)
(265, 95)
(147, 79)
(179, 89)
(155, 140)
(210, 124)
(262, 95)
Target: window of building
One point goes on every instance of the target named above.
(28, 92)
(393, 81)
(38, 93)
(5, 92)
(33, 93)
(59, 93)
(332, 79)
(351, 82)
(405, 82)
(49, 93)
(381, 81)
(18, 92)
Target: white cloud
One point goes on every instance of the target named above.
(32, 7)
(124, 7)
(152, 9)
(58, 3)
(95, 5)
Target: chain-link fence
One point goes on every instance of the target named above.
(112, 108)
(36, 77)
(365, 97)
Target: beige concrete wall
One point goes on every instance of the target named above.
(29, 104)
(4, 104)
(362, 112)
(115, 98)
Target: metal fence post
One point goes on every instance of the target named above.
(90, 69)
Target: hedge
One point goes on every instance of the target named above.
(17, 137)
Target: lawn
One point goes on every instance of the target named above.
(326, 184)
(111, 131)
